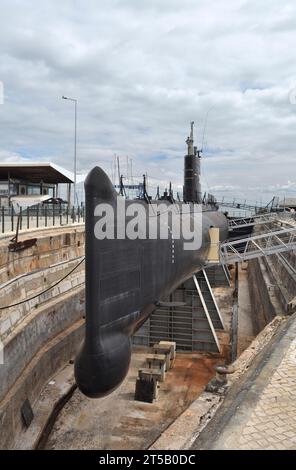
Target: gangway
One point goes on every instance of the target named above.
(256, 246)
(253, 220)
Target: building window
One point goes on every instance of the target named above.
(33, 190)
(3, 189)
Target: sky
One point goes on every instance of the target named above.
(141, 71)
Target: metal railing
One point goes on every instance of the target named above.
(260, 245)
(242, 204)
(250, 221)
(39, 217)
(252, 206)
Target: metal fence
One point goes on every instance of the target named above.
(39, 217)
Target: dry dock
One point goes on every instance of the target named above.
(256, 409)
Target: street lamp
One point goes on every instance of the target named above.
(75, 142)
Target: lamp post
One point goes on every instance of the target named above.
(75, 142)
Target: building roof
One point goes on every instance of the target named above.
(36, 172)
(288, 202)
(24, 202)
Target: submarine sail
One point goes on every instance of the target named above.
(192, 189)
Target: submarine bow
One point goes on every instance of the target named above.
(126, 278)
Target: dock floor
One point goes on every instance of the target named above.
(117, 421)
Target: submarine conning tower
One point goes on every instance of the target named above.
(192, 189)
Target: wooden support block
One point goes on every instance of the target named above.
(149, 374)
(146, 390)
(166, 351)
(172, 345)
(157, 361)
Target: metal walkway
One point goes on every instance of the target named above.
(256, 246)
(254, 220)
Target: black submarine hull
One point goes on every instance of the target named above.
(124, 280)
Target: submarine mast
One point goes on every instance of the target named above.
(192, 189)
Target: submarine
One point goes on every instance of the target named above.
(126, 277)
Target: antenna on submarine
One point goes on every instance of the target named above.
(190, 140)
(205, 126)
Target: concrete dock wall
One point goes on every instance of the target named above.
(35, 286)
(42, 334)
(52, 246)
(262, 304)
(40, 327)
(45, 363)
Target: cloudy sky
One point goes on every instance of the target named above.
(141, 71)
